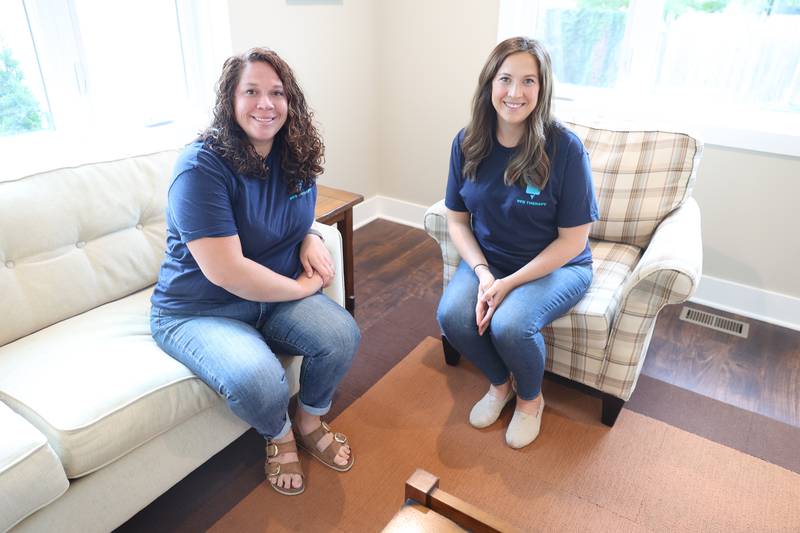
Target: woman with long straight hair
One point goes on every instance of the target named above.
(520, 205)
(243, 270)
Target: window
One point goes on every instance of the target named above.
(23, 102)
(726, 69)
(85, 80)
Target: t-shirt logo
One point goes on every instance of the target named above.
(532, 191)
(299, 194)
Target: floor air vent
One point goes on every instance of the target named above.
(712, 321)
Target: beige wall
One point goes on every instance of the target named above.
(750, 203)
(331, 48)
(392, 81)
(430, 55)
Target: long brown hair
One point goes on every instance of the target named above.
(530, 163)
(301, 148)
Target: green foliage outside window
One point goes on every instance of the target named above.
(604, 5)
(19, 110)
(592, 59)
(677, 7)
(585, 41)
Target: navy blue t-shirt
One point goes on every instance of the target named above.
(513, 224)
(208, 199)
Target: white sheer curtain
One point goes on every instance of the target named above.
(107, 79)
(729, 72)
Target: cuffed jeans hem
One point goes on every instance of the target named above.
(287, 427)
(316, 411)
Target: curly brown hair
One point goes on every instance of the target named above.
(299, 142)
(530, 163)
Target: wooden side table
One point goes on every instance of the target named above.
(336, 205)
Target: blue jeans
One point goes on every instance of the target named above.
(233, 351)
(513, 342)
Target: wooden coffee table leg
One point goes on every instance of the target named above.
(423, 487)
(346, 229)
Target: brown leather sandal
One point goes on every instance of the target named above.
(275, 469)
(309, 443)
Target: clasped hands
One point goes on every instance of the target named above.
(318, 269)
(491, 293)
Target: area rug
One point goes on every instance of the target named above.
(641, 475)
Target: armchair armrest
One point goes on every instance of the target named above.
(668, 273)
(333, 242)
(436, 226)
(676, 245)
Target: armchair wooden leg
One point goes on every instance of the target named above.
(611, 408)
(451, 355)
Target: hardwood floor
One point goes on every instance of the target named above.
(398, 271)
(760, 373)
(398, 275)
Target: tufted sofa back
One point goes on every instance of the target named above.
(639, 178)
(76, 238)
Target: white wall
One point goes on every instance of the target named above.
(750, 203)
(331, 48)
(392, 83)
(431, 53)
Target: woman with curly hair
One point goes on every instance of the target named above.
(520, 204)
(243, 270)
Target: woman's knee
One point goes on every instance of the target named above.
(349, 339)
(509, 329)
(455, 311)
(451, 319)
(443, 314)
(457, 306)
(343, 336)
(258, 385)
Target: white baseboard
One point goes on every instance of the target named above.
(767, 306)
(760, 304)
(365, 212)
(399, 211)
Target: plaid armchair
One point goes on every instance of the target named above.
(647, 252)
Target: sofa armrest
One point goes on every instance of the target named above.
(436, 226)
(668, 273)
(333, 242)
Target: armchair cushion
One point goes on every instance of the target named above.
(588, 324)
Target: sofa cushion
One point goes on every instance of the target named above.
(639, 178)
(30, 472)
(84, 236)
(98, 386)
(588, 324)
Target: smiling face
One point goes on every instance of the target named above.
(260, 105)
(515, 93)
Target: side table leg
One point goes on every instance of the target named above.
(346, 229)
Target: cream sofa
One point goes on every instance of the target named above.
(95, 420)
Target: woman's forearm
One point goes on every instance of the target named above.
(568, 244)
(464, 240)
(223, 264)
(251, 281)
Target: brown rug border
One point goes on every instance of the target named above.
(752, 433)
